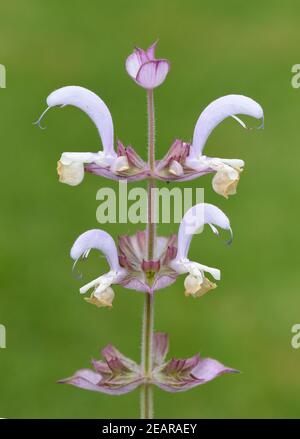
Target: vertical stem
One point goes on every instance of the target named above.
(151, 226)
(147, 336)
(151, 229)
(146, 392)
(151, 129)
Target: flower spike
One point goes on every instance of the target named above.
(102, 294)
(145, 261)
(196, 284)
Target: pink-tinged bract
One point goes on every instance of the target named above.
(118, 374)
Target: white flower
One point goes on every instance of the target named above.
(71, 164)
(102, 294)
(196, 284)
(227, 170)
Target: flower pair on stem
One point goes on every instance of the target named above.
(146, 262)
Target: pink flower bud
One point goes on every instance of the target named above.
(145, 69)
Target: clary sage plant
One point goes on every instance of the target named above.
(145, 261)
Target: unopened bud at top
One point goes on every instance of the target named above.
(145, 69)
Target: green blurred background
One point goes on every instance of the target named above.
(215, 48)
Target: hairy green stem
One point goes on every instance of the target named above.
(151, 182)
(146, 393)
(147, 336)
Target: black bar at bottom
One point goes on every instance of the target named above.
(139, 428)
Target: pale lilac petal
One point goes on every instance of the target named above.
(195, 218)
(164, 280)
(134, 166)
(101, 367)
(175, 376)
(208, 369)
(117, 361)
(93, 106)
(188, 175)
(160, 347)
(99, 240)
(134, 159)
(181, 366)
(151, 51)
(153, 73)
(90, 375)
(134, 281)
(135, 284)
(179, 375)
(133, 248)
(216, 112)
(125, 176)
(133, 65)
(120, 389)
(178, 152)
(85, 379)
(179, 386)
(117, 375)
(142, 55)
(89, 380)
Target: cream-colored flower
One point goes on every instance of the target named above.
(70, 167)
(102, 299)
(120, 164)
(197, 286)
(176, 168)
(225, 180)
(71, 174)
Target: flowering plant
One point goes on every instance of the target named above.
(145, 261)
